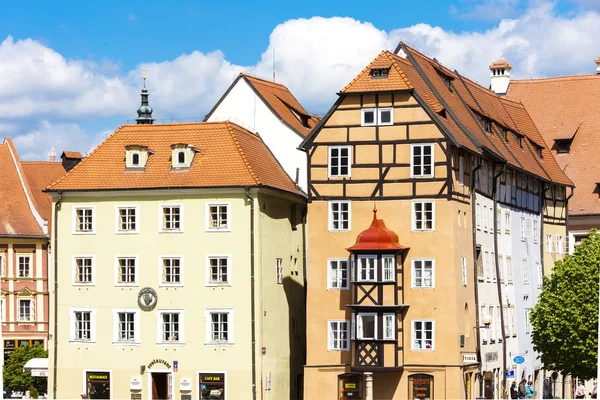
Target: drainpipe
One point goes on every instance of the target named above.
(498, 284)
(55, 335)
(252, 300)
(475, 278)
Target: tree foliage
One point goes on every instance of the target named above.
(14, 377)
(565, 318)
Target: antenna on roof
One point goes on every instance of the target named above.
(273, 64)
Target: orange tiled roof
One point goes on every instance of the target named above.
(500, 64)
(21, 197)
(364, 83)
(562, 107)
(229, 156)
(71, 154)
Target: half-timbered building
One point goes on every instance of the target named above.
(423, 143)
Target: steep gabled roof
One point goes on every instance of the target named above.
(228, 156)
(396, 80)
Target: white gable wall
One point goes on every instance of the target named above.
(244, 107)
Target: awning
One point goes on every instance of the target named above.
(37, 367)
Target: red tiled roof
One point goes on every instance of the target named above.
(500, 64)
(229, 156)
(39, 175)
(563, 107)
(71, 154)
(377, 238)
(365, 83)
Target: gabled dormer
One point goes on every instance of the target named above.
(182, 155)
(136, 156)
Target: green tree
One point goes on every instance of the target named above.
(565, 318)
(14, 377)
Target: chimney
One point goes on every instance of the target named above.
(500, 73)
(70, 159)
(598, 66)
(52, 155)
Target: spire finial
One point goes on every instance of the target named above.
(374, 210)
(144, 77)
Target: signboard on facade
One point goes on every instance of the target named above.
(510, 374)
(470, 358)
(491, 357)
(39, 372)
(158, 361)
(185, 383)
(135, 383)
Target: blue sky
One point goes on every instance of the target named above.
(70, 73)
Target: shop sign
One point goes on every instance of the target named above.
(10, 344)
(185, 383)
(422, 386)
(519, 360)
(39, 372)
(136, 396)
(510, 374)
(470, 358)
(158, 361)
(97, 377)
(186, 397)
(491, 357)
(135, 384)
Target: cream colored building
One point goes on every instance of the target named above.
(179, 269)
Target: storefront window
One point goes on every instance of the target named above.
(98, 385)
(420, 387)
(350, 387)
(212, 386)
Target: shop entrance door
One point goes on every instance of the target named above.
(161, 385)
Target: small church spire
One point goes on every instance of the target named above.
(145, 111)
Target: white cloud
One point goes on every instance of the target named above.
(315, 58)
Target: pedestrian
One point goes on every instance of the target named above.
(580, 392)
(514, 393)
(522, 390)
(529, 390)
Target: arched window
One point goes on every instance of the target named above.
(181, 157)
(135, 159)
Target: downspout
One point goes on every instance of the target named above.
(475, 277)
(252, 300)
(498, 283)
(55, 334)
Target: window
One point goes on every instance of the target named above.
(563, 146)
(2, 310)
(366, 326)
(379, 73)
(492, 327)
(127, 219)
(338, 335)
(127, 326)
(389, 270)
(218, 270)
(523, 229)
(83, 324)
(485, 218)
(219, 326)
(423, 335)
(501, 267)
(171, 271)
(279, 271)
(339, 215)
(507, 222)
(486, 265)
(540, 274)
(126, 270)
(218, 217)
(421, 160)
(389, 326)
(26, 312)
(24, 266)
(513, 321)
(559, 245)
(181, 157)
(461, 170)
(525, 271)
(171, 218)
(84, 219)
(339, 161)
(493, 265)
(498, 324)
(135, 159)
(509, 269)
(368, 117)
(337, 274)
(548, 243)
(498, 221)
(170, 326)
(478, 216)
(423, 216)
(423, 271)
(367, 268)
(386, 116)
(463, 261)
(484, 332)
(487, 124)
(83, 270)
(2, 266)
(535, 231)
(527, 322)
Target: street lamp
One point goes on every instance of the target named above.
(486, 320)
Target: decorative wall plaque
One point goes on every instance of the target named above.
(147, 299)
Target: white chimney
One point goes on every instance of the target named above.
(500, 73)
(52, 155)
(598, 66)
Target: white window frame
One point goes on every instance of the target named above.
(209, 269)
(118, 229)
(463, 261)
(485, 334)
(230, 326)
(507, 222)
(535, 230)
(549, 243)
(393, 268)
(339, 281)
(527, 321)
(29, 257)
(559, 244)
(161, 228)
(380, 110)
(359, 325)
(78, 232)
(375, 117)
(331, 218)
(74, 274)
(485, 218)
(525, 266)
(360, 268)
(501, 267)
(414, 334)
(498, 221)
(478, 212)
(218, 204)
(160, 270)
(339, 175)
(92, 311)
(413, 273)
(159, 327)
(130, 159)
(387, 318)
(344, 344)
(118, 269)
(279, 271)
(509, 270)
(31, 317)
(412, 161)
(523, 229)
(136, 326)
(461, 170)
(540, 274)
(414, 216)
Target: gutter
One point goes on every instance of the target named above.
(55, 334)
(252, 295)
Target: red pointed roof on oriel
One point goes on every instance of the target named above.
(377, 238)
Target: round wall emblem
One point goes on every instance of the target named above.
(147, 299)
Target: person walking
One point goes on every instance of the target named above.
(529, 390)
(522, 389)
(514, 393)
(580, 392)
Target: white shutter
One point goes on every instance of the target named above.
(331, 341)
(359, 327)
(353, 327)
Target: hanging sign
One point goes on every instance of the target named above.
(519, 360)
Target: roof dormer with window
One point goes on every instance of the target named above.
(182, 155)
(136, 157)
(379, 73)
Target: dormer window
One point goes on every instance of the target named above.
(136, 156)
(181, 158)
(182, 155)
(379, 73)
(135, 159)
(487, 125)
(563, 145)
